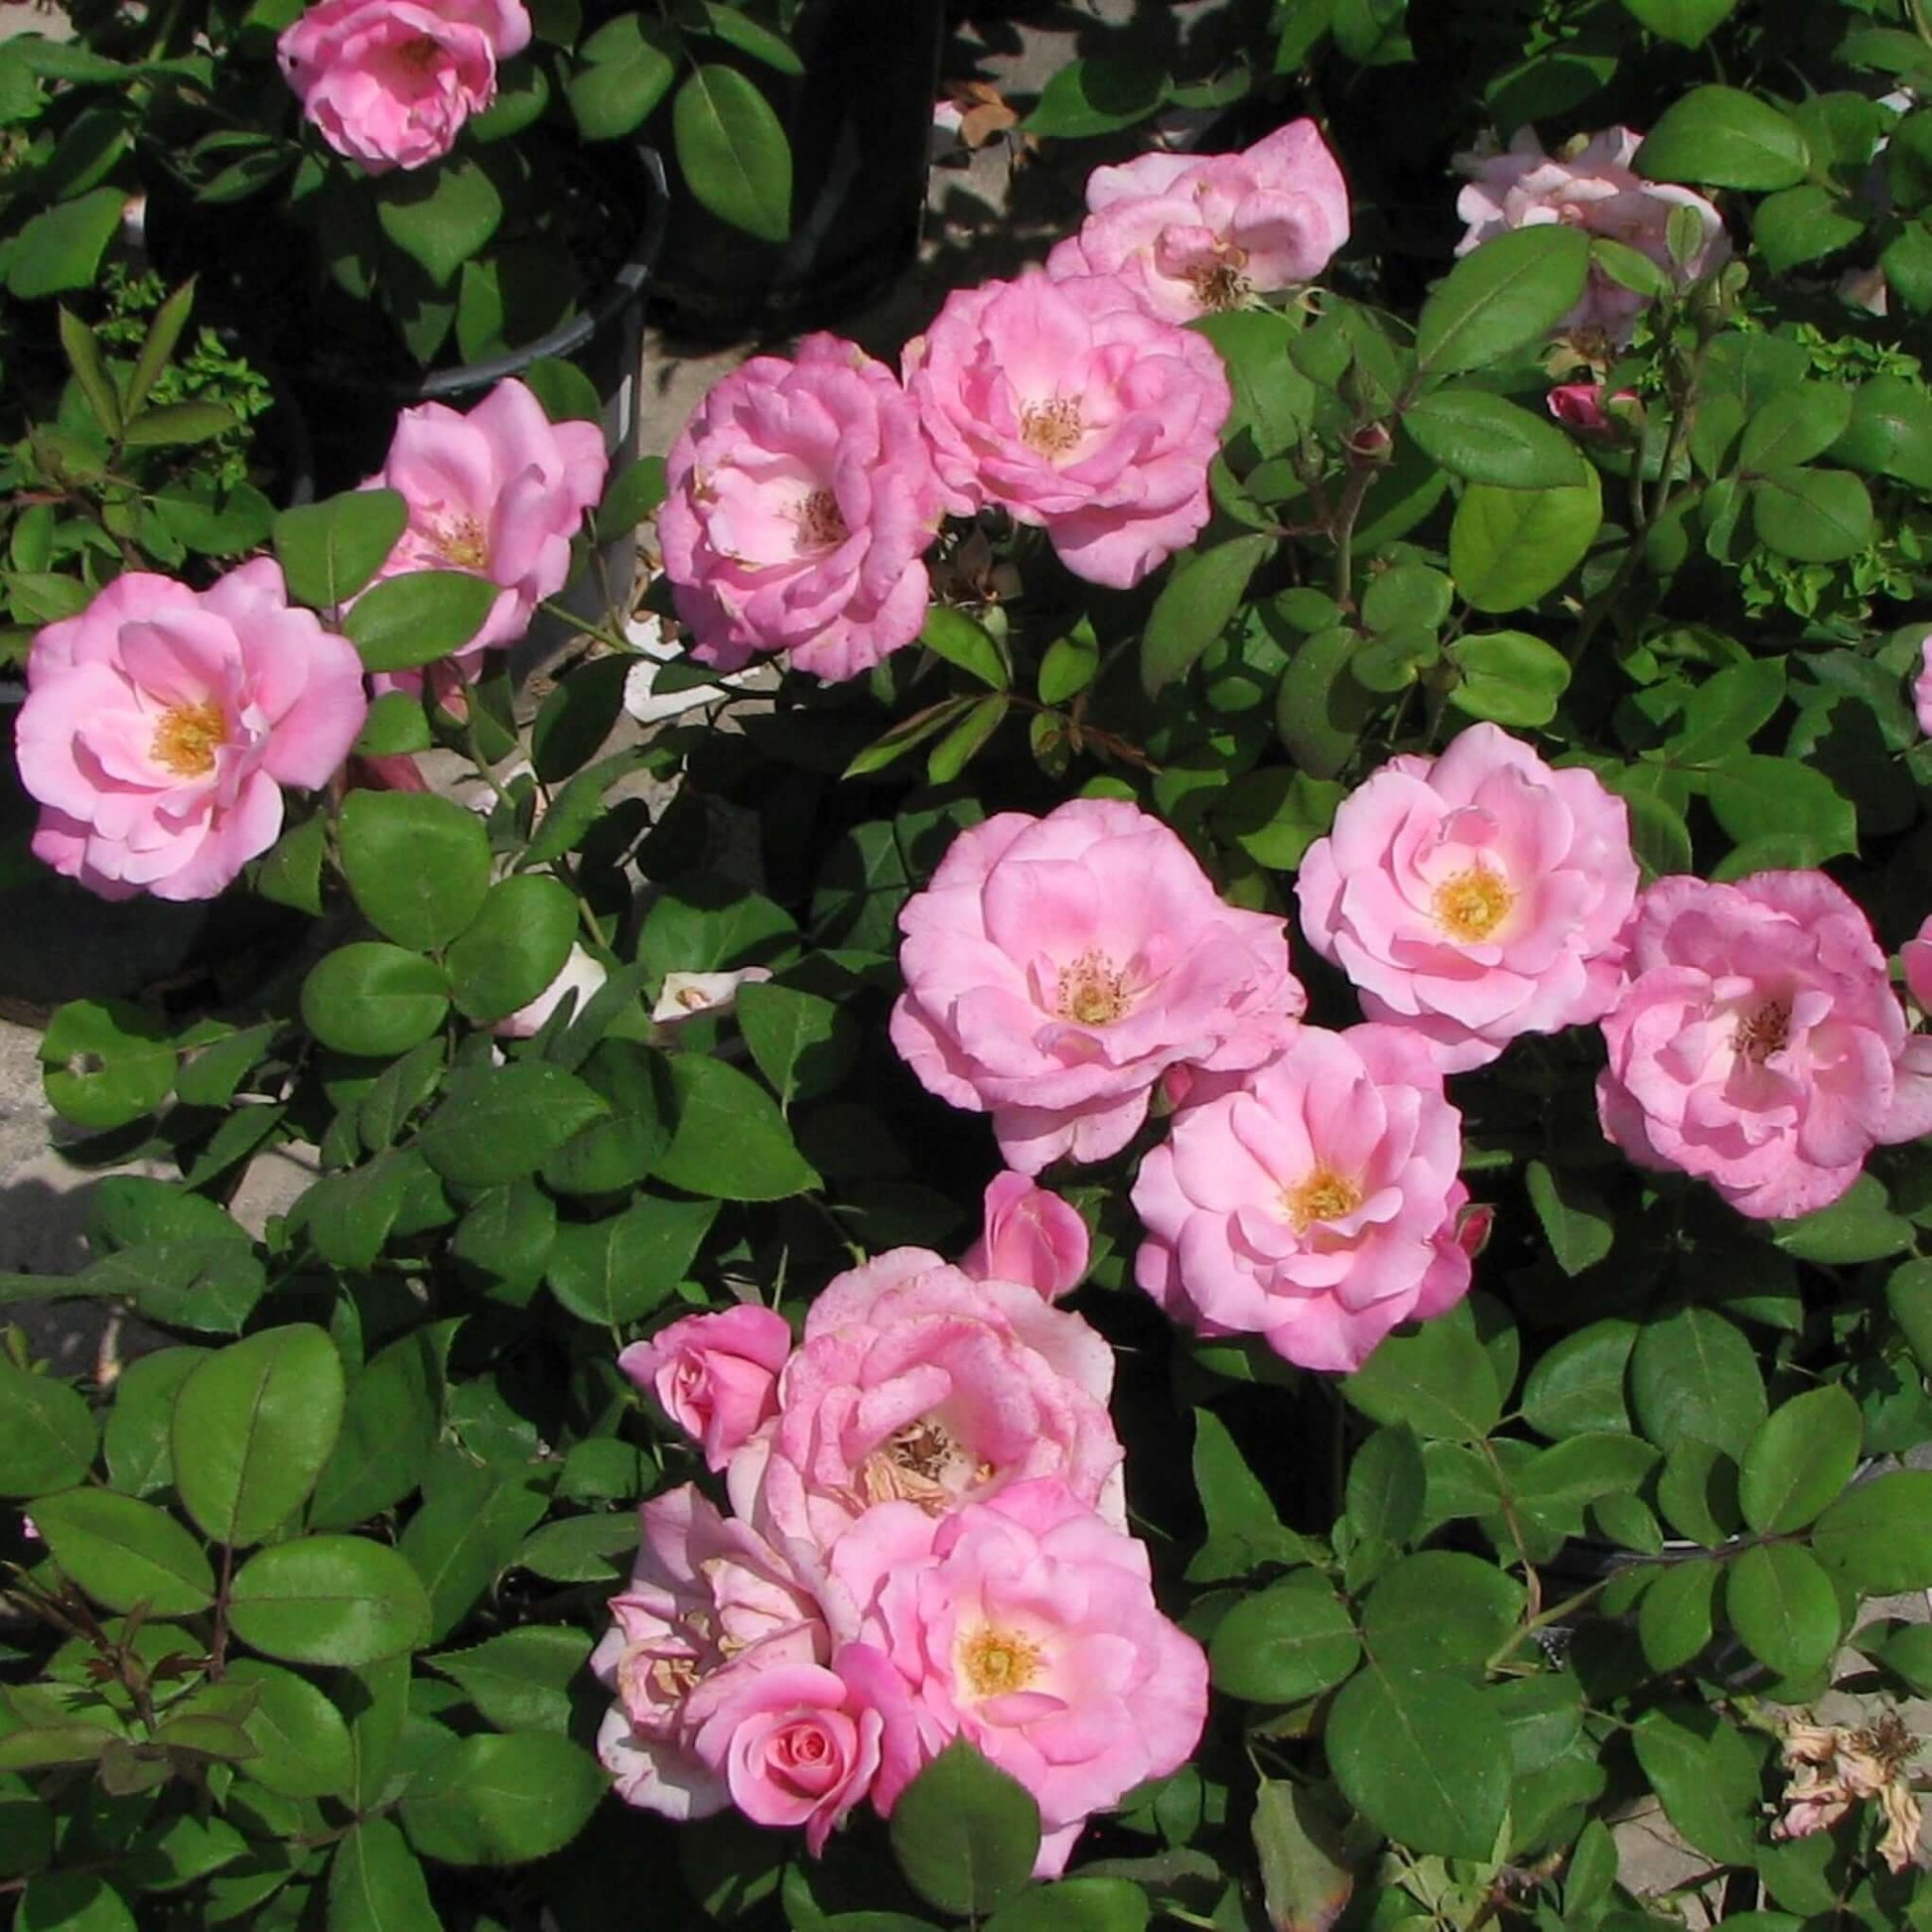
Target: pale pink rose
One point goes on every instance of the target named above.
(162, 723)
(1070, 405)
(1916, 956)
(801, 501)
(684, 996)
(1760, 1045)
(1922, 687)
(1029, 1235)
(800, 1744)
(1474, 897)
(1028, 1625)
(915, 1382)
(1317, 1206)
(1056, 967)
(707, 1596)
(580, 974)
(389, 83)
(1597, 190)
(1194, 235)
(497, 492)
(715, 1375)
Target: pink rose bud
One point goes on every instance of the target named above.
(715, 1375)
(1473, 1227)
(1579, 406)
(1030, 1236)
(580, 974)
(389, 83)
(160, 725)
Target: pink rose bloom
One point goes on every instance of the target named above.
(801, 501)
(580, 974)
(1922, 687)
(1030, 1236)
(1028, 1625)
(1317, 1207)
(1597, 190)
(1758, 1044)
(715, 1375)
(706, 1598)
(917, 1383)
(389, 83)
(1474, 897)
(162, 723)
(497, 492)
(1056, 967)
(1076, 409)
(1196, 234)
(1916, 956)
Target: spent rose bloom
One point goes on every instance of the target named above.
(161, 724)
(1028, 1625)
(707, 1598)
(1194, 235)
(917, 1383)
(1758, 1043)
(1595, 189)
(1916, 956)
(684, 996)
(498, 492)
(1317, 1205)
(1056, 967)
(1076, 409)
(1922, 687)
(801, 501)
(580, 974)
(1474, 897)
(715, 1375)
(1029, 1235)
(389, 83)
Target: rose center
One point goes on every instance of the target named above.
(1091, 992)
(921, 1462)
(1323, 1196)
(1761, 1034)
(186, 738)
(820, 525)
(995, 1662)
(463, 544)
(1052, 428)
(1472, 904)
(1220, 285)
(419, 51)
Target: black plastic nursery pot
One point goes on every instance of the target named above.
(859, 120)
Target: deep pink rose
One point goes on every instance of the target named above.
(715, 1375)
(498, 492)
(1916, 956)
(1317, 1206)
(1922, 687)
(801, 501)
(1474, 897)
(161, 724)
(1030, 1236)
(389, 83)
(1056, 967)
(914, 1382)
(1760, 1045)
(1194, 235)
(707, 1598)
(1076, 409)
(580, 974)
(1028, 1625)
(1594, 188)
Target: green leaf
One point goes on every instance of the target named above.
(1387, 1486)
(506, 1123)
(1794, 426)
(743, 33)
(290, 870)
(1487, 438)
(1721, 137)
(1575, 1221)
(961, 745)
(406, 621)
(1908, 1298)
(521, 1680)
(46, 1434)
(624, 73)
(1706, 1776)
(1784, 1610)
(1727, 710)
(578, 717)
(439, 216)
(1693, 1373)
(390, 1426)
(1439, 1611)
(106, 1063)
(1504, 296)
(1698, 1491)
(1097, 96)
(1799, 1460)
(1243, 1529)
(140, 1459)
(1801, 225)
(1424, 1757)
(731, 1143)
(1307, 1861)
(1890, 432)
(1815, 516)
(1755, 797)
(1878, 1534)
(61, 247)
(802, 1044)
(1508, 677)
(178, 424)
(514, 947)
(1320, 709)
(124, 1552)
(375, 1000)
(375, 1883)
(1509, 548)
(302, 1742)
(1199, 598)
(329, 550)
(71, 1901)
(1687, 22)
(1072, 1905)
(1070, 666)
(965, 1834)
(1438, 1380)
(329, 1599)
(253, 1425)
(462, 1540)
(733, 151)
(418, 866)
(614, 1270)
(1675, 1617)
(83, 349)
(956, 637)
(501, 1799)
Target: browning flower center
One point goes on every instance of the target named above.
(820, 525)
(1091, 993)
(1759, 1034)
(419, 52)
(921, 1462)
(1220, 285)
(1472, 904)
(187, 736)
(994, 1662)
(463, 544)
(1052, 428)
(1323, 1196)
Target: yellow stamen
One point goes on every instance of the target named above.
(997, 1662)
(1052, 428)
(186, 738)
(1323, 1196)
(463, 544)
(1472, 904)
(1091, 993)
